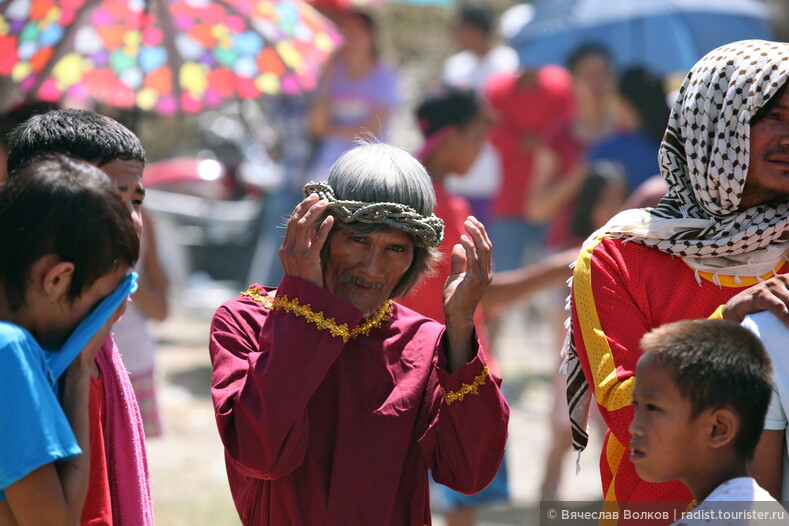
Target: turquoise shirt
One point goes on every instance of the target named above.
(34, 431)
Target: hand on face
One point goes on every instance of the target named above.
(470, 274)
(305, 236)
(88, 355)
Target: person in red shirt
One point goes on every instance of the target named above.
(525, 104)
(332, 400)
(560, 166)
(454, 124)
(455, 128)
(714, 246)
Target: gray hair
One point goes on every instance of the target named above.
(374, 172)
(377, 172)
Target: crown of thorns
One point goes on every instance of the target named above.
(426, 231)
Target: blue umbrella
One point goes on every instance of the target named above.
(666, 36)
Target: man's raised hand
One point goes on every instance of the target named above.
(305, 236)
(470, 274)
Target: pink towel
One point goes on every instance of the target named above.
(124, 441)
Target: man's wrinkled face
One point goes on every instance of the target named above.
(768, 163)
(364, 269)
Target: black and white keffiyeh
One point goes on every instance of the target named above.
(704, 160)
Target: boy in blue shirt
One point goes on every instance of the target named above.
(67, 242)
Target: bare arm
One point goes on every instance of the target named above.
(55, 495)
(151, 295)
(318, 117)
(768, 460)
(512, 285)
(549, 192)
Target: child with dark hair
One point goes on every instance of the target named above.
(81, 134)
(701, 393)
(88, 136)
(67, 242)
(119, 489)
(454, 126)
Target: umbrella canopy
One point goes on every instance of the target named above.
(665, 35)
(176, 56)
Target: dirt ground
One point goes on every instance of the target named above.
(187, 465)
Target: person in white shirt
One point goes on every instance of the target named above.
(480, 56)
(770, 464)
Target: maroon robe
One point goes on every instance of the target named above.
(319, 431)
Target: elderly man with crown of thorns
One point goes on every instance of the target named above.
(332, 400)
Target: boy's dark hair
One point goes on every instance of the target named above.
(446, 106)
(586, 50)
(478, 15)
(80, 134)
(58, 205)
(717, 363)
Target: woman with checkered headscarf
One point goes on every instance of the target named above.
(718, 231)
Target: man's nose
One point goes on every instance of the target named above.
(373, 265)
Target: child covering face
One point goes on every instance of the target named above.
(67, 242)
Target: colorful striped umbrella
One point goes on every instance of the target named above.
(163, 56)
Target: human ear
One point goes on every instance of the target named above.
(725, 427)
(57, 278)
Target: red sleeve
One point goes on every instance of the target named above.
(464, 442)
(607, 327)
(267, 365)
